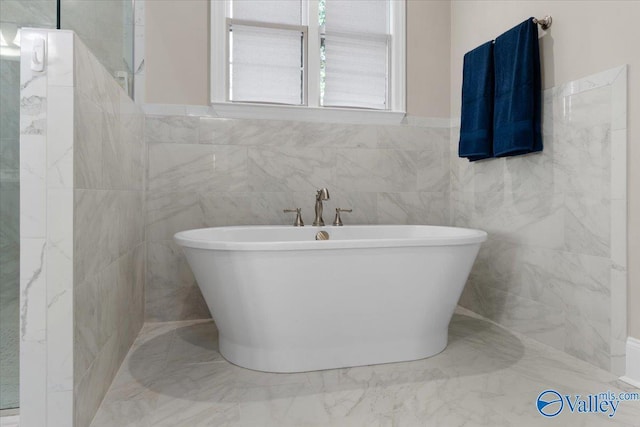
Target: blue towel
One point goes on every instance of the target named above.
(476, 127)
(518, 92)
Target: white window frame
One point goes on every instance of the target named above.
(312, 111)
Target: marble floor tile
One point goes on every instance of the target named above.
(487, 376)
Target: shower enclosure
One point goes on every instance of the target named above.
(106, 27)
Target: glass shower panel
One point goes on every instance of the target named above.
(29, 13)
(106, 27)
(14, 14)
(9, 231)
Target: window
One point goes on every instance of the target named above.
(354, 46)
(266, 45)
(320, 54)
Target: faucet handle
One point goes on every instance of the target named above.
(338, 221)
(298, 211)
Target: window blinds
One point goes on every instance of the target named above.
(356, 43)
(266, 54)
(357, 16)
(272, 11)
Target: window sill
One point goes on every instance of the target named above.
(308, 114)
(281, 112)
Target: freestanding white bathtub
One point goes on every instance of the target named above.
(284, 302)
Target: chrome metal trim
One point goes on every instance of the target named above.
(322, 235)
(298, 222)
(544, 23)
(322, 194)
(338, 221)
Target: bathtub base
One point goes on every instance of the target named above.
(318, 358)
(284, 302)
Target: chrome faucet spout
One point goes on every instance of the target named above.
(322, 194)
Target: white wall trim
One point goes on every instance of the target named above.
(218, 69)
(429, 122)
(632, 373)
(398, 24)
(312, 74)
(307, 114)
(229, 110)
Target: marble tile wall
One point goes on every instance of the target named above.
(206, 171)
(108, 229)
(46, 232)
(554, 267)
(82, 231)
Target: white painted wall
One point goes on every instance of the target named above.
(177, 52)
(428, 54)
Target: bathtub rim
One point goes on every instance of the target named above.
(472, 236)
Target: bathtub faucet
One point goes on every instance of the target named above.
(322, 194)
